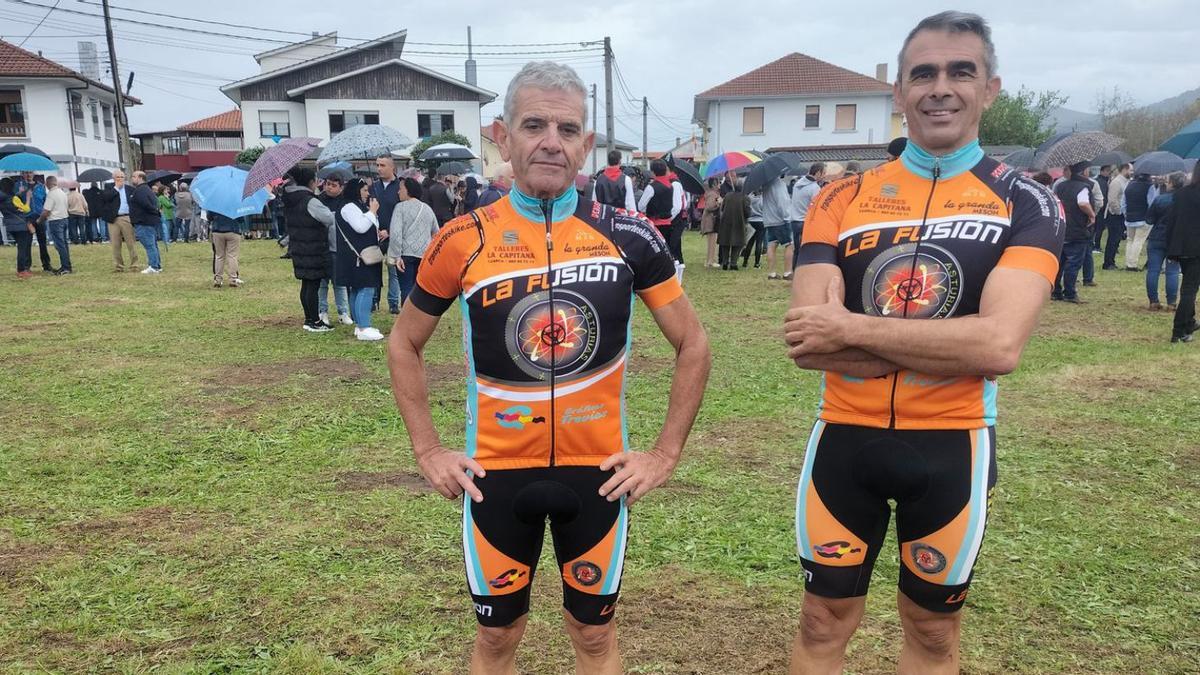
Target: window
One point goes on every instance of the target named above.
(274, 123)
(12, 114)
(78, 121)
(812, 116)
(94, 105)
(107, 111)
(175, 145)
(434, 123)
(845, 118)
(752, 120)
(341, 120)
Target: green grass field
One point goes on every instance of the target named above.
(191, 484)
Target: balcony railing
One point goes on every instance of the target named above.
(210, 144)
(16, 130)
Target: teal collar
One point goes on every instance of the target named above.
(562, 208)
(920, 162)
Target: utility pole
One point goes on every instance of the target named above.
(594, 120)
(608, 94)
(645, 145)
(121, 120)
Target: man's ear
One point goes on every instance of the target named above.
(500, 133)
(993, 90)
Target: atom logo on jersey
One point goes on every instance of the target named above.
(914, 283)
(561, 336)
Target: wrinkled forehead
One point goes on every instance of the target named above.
(559, 105)
(939, 49)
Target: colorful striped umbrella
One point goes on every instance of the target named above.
(729, 161)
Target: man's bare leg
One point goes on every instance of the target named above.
(596, 650)
(930, 639)
(495, 651)
(826, 625)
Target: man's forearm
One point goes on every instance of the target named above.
(692, 365)
(850, 361)
(964, 346)
(412, 397)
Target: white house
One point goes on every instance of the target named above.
(315, 88)
(70, 117)
(599, 156)
(797, 101)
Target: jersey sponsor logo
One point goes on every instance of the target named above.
(517, 417)
(912, 281)
(889, 190)
(956, 599)
(927, 558)
(642, 229)
(608, 609)
(506, 579)
(565, 339)
(584, 413)
(586, 573)
(483, 610)
(973, 205)
(510, 238)
(957, 229)
(835, 549)
(590, 250)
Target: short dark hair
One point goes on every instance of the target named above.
(955, 22)
(1079, 168)
(413, 187)
(816, 168)
(614, 158)
(1124, 165)
(1043, 178)
(852, 167)
(897, 146)
(658, 167)
(302, 176)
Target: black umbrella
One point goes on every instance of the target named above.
(764, 172)
(1024, 158)
(14, 148)
(1158, 163)
(453, 168)
(336, 172)
(1114, 157)
(95, 176)
(162, 176)
(689, 175)
(444, 151)
(189, 176)
(795, 165)
(1073, 148)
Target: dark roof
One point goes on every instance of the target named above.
(17, 62)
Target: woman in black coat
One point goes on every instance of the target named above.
(358, 229)
(308, 229)
(1183, 244)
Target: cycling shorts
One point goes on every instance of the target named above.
(502, 541)
(941, 481)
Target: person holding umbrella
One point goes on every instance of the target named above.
(33, 193)
(1075, 195)
(309, 221)
(147, 221)
(14, 210)
(1137, 203)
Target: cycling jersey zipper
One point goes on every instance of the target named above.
(937, 172)
(547, 210)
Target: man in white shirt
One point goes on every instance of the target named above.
(57, 218)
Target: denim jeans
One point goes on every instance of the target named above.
(24, 241)
(393, 294)
(1089, 267)
(1069, 264)
(360, 306)
(1156, 254)
(147, 236)
(100, 229)
(797, 235)
(180, 228)
(39, 231)
(1185, 313)
(408, 278)
(59, 233)
(166, 229)
(78, 229)
(340, 298)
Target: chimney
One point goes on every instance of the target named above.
(316, 34)
(89, 63)
(470, 65)
(881, 72)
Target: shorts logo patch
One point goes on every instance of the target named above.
(510, 238)
(928, 559)
(586, 573)
(835, 549)
(517, 417)
(506, 579)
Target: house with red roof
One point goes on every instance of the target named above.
(797, 101)
(67, 115)
(195, 146)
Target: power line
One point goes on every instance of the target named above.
(39, 23)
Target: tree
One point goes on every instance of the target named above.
(249, 156)
(444, 137)
(1020, 119)
(1142, 128)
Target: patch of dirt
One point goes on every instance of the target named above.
(640, 362)
(440, 375)
(365, 481)
(155, 525)
(27, 330)
(16, 560)
(325, 371)
(743, 442)
(1098, 383)
(274, 321)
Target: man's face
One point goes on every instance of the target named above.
(944, 88)
(386, 167)
(1126, 171)
(333, 188)
(546, 141)
(138, 179)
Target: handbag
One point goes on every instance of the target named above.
(371, 255)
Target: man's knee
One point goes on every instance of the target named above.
(500, 639)
(826, 621)
(934, 632)
(595, 641)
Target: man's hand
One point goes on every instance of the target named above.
(400, 264)
(32, 229)
(446, 472)
(637, 473)
(383, 234)
(818, 329)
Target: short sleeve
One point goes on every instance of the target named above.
(1084, 197)
(439, 278)
(1038, 227)
(645, 250)
(822, 224)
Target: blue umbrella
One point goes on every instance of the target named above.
(1158, 163)
(27, 161)
(1185, 143)
(219, 189)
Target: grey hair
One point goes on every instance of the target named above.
(1177, 180)
(956, 22)
(542, 75)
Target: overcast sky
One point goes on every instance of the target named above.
(666, 50)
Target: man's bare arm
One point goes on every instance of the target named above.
(810, 286)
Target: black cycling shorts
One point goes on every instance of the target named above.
(502, 541)
(941, 481)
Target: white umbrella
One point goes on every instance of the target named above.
(363, 141)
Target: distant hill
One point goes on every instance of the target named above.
(1170, 105)
(1065, 119)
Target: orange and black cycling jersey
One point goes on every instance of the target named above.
(546, 306)
(921, 247)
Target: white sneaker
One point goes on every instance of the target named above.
(345, 319)
(235, 282)
(324, 317)
(151, 270)
(368, 334)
